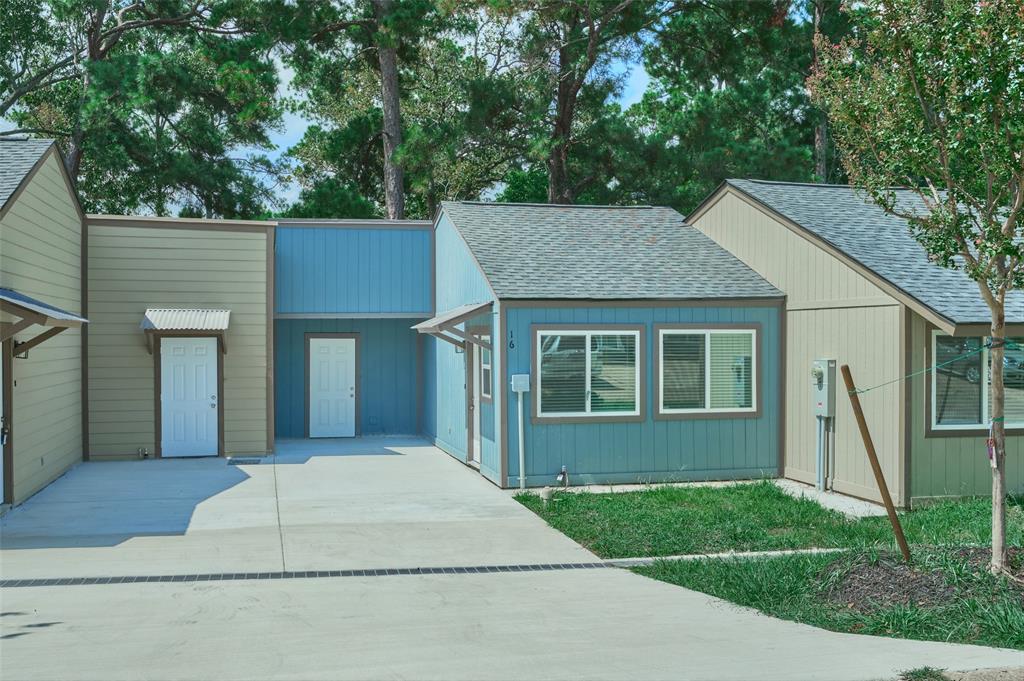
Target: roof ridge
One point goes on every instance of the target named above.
(550, 205)
(804, 184)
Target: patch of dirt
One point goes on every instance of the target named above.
(979, 559)
(866, 586)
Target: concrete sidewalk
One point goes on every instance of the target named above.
(326, 504)
(585, 624)
(369, 504)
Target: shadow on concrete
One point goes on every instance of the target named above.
(107, 503)
(297, 451)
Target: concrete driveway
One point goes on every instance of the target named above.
(392, 505)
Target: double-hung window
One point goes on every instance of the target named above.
(485, 369)
(584, 373)
(960, 383)
(706, 371)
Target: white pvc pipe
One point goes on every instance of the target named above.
(522, 445)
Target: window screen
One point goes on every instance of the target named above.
(563, 374)
(707, 370)
(612, 373)
(485, 369)
(682, 367)
(586, 373)
(962, 386)
(732, 379)
(958, 380)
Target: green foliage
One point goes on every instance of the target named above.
(930, 95)
(166, 116)
(750, 517)
(727, 99)
(984, 609)
(458, 102)
(329, 198)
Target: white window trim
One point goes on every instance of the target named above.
(986, 377)
(485, 386)
(707, 333)
(588, 333)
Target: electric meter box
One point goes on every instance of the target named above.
(823, 387)
(520, 383)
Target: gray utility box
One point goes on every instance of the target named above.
(823, 387)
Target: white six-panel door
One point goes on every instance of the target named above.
(188, 397)
(332, 387)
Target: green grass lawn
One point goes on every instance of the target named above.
(749, 517)
(978, 608)
(944, 596)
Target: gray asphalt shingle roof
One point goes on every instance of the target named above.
(849, 221)
(599, 252)
(17, 158)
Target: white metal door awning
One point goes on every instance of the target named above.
(180, 321)
(31, 311)
(445, 325)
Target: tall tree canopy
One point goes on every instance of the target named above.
(727, 98)
(157, 106)
(932, 98)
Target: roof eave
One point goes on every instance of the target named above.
(917, 305)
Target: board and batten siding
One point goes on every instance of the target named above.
(40, 256)
(459, 282)
(713, 447)
(832, 312)
(944, 465)
(376, 270)
(388, 374)
(132, 268)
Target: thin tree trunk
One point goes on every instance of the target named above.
(821, 129)
(394, 189)
(559, 187)
(998, 440)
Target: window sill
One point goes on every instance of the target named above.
(700, 415)
(596, 418)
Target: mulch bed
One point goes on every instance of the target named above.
(866, 586)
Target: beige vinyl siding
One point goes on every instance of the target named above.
(944, 466)
(132, 268)
(832, 311)
(40, 256)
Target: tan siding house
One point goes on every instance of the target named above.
(137, 264)
(838, 308)
(41, 227)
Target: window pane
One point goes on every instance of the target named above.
(612, 373)
(682, 367)
(958, 377)
(732, 376)
(563, 380)
(1013, 381)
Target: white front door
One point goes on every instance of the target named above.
(332, 387)
(189, 397)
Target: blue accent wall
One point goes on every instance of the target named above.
(388, 374)
(649, 450)
(322, 270)
(459, 282)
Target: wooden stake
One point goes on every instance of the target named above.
(858, 411)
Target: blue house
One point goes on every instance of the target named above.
(643, 351)
(649, 352)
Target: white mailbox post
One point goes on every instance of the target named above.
(520, 385)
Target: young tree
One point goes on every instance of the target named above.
(932, 97)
